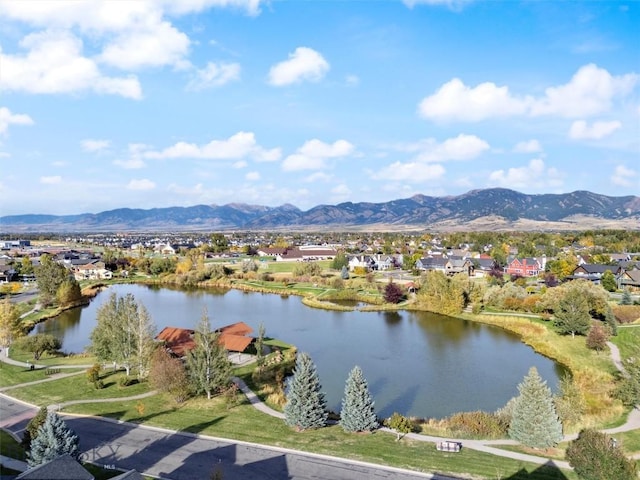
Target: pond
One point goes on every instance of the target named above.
(416, 363)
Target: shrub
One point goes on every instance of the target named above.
(597, 337)
(93, 373)
(596, 456)
(626, 313)
(477, 424)
(401, 424)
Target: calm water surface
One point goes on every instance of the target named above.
(416, 363)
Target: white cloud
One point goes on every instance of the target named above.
(535, 174)
(252, 176)
(154, 44)
(581, 130)
(528, 146)
(340, 193)
(239, 145)
(91, 145)
(352, 80)
(590, 91)
(54, 64)
(462, 147)
(314, 153)
(130, 163)
(625, 177)
(411, 172)
(303, 64)
(214, 75)
(7, 118)
(456, 101)
(52, 180)
(318, 177)
(142, 184)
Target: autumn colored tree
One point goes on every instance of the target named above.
(596, 456)
(10, 324)
(167, 374)
(393, 293)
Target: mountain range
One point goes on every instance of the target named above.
(487, 209)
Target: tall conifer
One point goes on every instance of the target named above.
(306, 405)
(54, 440)
(534, 421)
(357, 413)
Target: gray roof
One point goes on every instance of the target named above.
(64, 467)
(130, 475)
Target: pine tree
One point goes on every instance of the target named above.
(54, 440)
(626, 297)
(535, 422)
(357, 413)
(306, 405)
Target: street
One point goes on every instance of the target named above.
(185, 456)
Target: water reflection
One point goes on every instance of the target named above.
(416, 363)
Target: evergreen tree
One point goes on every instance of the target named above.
(534, 421)
(344, 273)
(208, 366)
(596, 456)
(306, 404)
(626, 297)
(357, 413)
(54, 440)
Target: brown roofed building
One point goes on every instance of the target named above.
(233, 337)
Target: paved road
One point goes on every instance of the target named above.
(182, 456)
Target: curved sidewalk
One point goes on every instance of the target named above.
(486, 446)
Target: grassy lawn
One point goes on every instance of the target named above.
(245, 423)
(47, 359)
(627, 340)
(77, 388)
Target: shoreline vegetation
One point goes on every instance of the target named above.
(593, 374)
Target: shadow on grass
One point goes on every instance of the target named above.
(548, 471)
(199, 427)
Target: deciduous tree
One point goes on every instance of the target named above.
(124, 334)
(572, 314)
(306, 405)
(393, 293)
(534, 421)
(401, 424)
(39, 344)
(68, 292)
(10, 324)
(209, 368)
(49, 276)
(168, 375)
(357, 414)
(608, 281)
(34, 424)
(596, 456)
(54, 439)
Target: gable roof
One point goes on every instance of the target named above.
(235, 343)
(179, 340)
(64, 467)
(238, 328)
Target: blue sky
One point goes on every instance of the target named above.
(143, 104)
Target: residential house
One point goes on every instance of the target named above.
(64, 467)
(92, 271)
(524, 267)
(438, 263)
(457, 264)
(594, 272)
(164, 249)
(307, 253)
(629, 279)
(483, 265)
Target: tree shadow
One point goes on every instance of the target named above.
(200, 427)
(400, 402)
(548, 471)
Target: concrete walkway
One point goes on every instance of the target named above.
(486, 446)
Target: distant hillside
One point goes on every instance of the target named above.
(495, 209)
